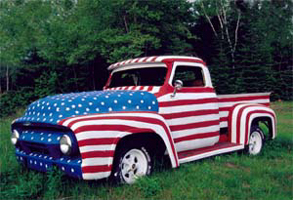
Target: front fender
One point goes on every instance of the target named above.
(98, 135)
(241, 118)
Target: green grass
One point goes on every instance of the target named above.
(233, 176)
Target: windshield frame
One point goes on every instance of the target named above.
(139, 66)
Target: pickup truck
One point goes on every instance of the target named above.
(150, 108)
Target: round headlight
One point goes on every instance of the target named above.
(14, 136)
(65, 144)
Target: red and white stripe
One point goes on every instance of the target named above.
(241, 118)
(153, 59)
(193, 119)
(150, 89)
(226, 102)
(98, 135)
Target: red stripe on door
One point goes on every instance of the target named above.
(190, 113)
(196, 136)
(188, 102)
(194, 125)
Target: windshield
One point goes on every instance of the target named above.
(153, 76)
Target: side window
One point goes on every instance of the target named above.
(190, 76)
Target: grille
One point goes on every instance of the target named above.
(43, 139)
(30, 147)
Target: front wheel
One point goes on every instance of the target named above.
(255, 142)
(131, 164)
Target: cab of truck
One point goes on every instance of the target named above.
(187, 99)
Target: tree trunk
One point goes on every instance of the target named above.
(208, 18)
(125, 24)
(7, 78)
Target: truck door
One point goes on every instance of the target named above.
(193, 112)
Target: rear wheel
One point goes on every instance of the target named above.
(255, 142)
(130, 164)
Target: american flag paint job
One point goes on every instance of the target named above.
(197, 114)
(42, 162)
(226, 103)
(188, 131)
(193, 118)
(241, 117)
(219, 148)
(98, 135)
(189, 123)
(150, 89)
(154, 59)
(54, 109)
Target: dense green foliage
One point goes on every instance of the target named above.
(235, 176)
(49, 47)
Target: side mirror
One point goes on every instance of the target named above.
(177, 86)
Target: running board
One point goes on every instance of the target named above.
(219, 148)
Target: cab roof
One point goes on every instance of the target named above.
(154, 59)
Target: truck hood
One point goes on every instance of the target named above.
(53, 109)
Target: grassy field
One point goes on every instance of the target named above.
(233, 176)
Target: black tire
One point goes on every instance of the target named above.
(142, 164)
(255, 141)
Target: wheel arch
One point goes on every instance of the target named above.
(268, 119)
(98, 135)
(145, 138)
(243, 116)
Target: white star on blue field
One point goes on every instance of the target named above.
(53, 109)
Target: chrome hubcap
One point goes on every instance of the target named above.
(133, 165)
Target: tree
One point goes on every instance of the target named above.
(68, 37)
(220, 17)
(260, 37)
(49, 47)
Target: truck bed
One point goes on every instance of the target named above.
(227, 101)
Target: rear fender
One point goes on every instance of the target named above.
(241, 118)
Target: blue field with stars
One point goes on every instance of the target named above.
(53, 109)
